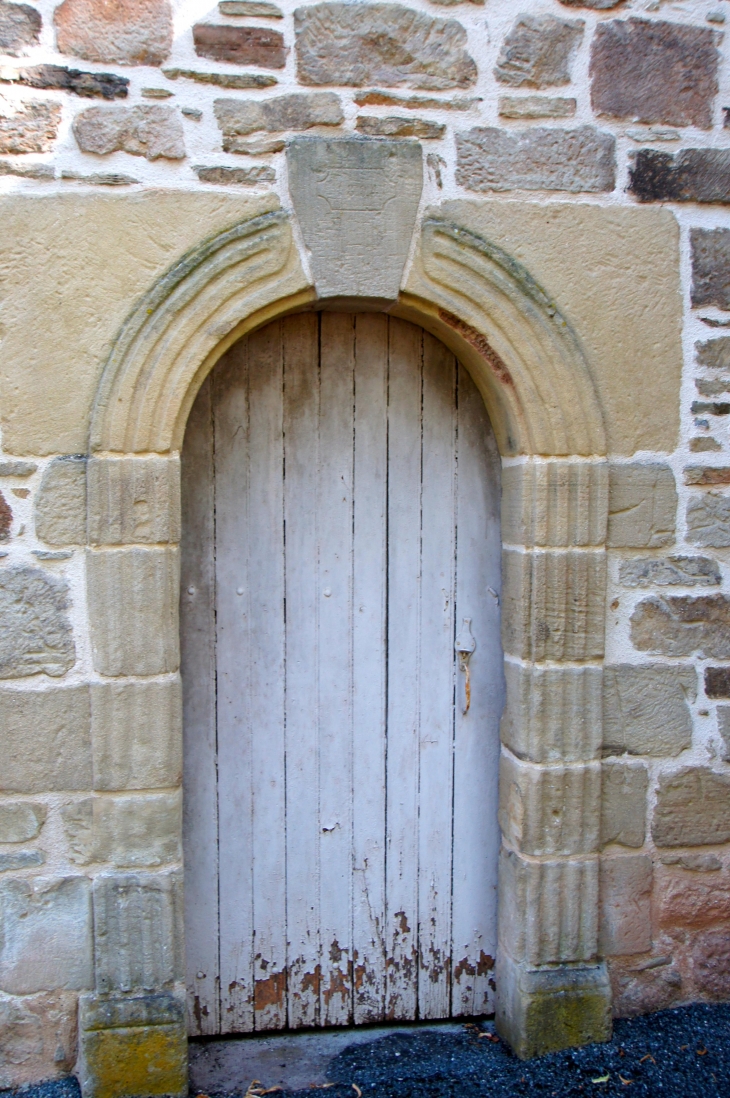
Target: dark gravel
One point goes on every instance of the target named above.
(683, 1053)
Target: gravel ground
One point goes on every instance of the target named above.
(682, 1053)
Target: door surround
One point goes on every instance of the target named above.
(552, 985)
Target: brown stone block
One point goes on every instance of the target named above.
(649, 985)
(623, 803)
(642, 506)
(625, 897)
(692, 175)
(685, 899)
(536, 106)
(130, 32)
(388, 44)
(710, 267)
(674, 571)
(260, 46)
(710, 954)
(708, 520)
(717, 682)
(394, 126)
(236, 177)
(538, 50)
(36, 636)
(651, 71)
(645, 710)
(692, 808)
(150, 130)
(39, 1037)
(714, 354)
(241, 117)
(680, 625)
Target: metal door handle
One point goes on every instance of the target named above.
(464, 646)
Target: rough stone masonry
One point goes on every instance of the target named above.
(589, 143)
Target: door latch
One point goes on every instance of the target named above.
(464, 646)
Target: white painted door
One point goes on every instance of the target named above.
(341, 520)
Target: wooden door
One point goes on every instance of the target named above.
(341, 520)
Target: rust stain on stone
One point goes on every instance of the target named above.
(480, 344)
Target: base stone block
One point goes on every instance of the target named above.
(545, 1010)
(136, 1047)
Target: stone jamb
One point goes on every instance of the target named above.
(553, 989)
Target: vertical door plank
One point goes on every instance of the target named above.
(404, 587)
(265, 587)
(301, 456)
(476, 832)
(235, 792)
(437, 680)
(334, 506)
(197, 640)
(369, 666)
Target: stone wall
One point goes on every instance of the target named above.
(132, 130)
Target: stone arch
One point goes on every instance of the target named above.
(552, 985)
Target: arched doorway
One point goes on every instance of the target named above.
(340, 491)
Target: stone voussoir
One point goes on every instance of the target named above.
(654, 71)
(552, 714)
(388, 44)
(128, 32)
(540, 159)
(133, 599)
(538, 50)
(549, 810)
(134, 500)
(645, 710)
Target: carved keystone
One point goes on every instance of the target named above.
(356, 200)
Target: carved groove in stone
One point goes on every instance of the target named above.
(192, 313)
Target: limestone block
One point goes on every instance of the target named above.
(15, 860)
(624, 786)
(128, 32)
(536, 106)
(127, 831)
(240, 80)
(708, 520)
(375, 97)
(28, 127)
(538, 50)
(36, 636)
(21, 821)
(710, 267)
(46, 740)
(692, 175)
(554, 503)
(134, 500)
(397, 126)
(39, 1037)
(549, 810)
(651, 71)
(259, 46)
(387, 44)
(238, 177)
(20, 27)
(625, 890)
(700, 863)
(45, 935)
(645, 709)
(594, 5)
(60, 505)
(692, 808)
(676, 571)
(642, 506)
(539, 159)
(149, 130)
(138, 940)
(250, 7)
(133, 1046)
(681, 625)
(552, 714)
(133, 606)
(553, 604)
(714, 354)
(356, 202)
(548, 910)
(240, 117)
(17, 468)
(545, 1010)
(136, 734)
